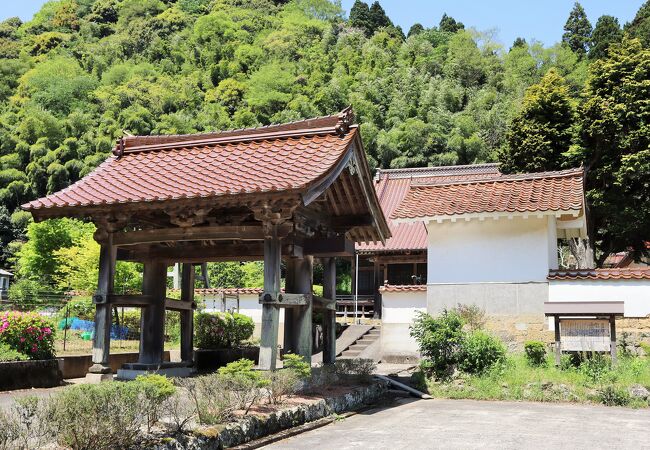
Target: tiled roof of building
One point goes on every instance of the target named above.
(153, 168)
(601, 274)
(392, 185)
(403, 288)
(559, 191)
(229, 291)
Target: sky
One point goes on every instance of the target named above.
(530, 19)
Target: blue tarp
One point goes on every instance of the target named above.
(117, 332)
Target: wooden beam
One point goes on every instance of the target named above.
(558, 342)
(203, 233)
(327, 247)
(172, 304)
(324, 303)
(131, 300)
(321, 186)
(283, 299)
(351, 221)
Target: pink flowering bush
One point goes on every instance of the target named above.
(221, 330)
(28, 333)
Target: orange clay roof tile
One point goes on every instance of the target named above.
(600, 274)
(520, 193)
(403, 288)
(149, 168)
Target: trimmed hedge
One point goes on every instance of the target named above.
(221, 330)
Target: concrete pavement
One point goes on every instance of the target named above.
(467, 424)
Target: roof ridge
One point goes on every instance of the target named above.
(505, 178)
(230, 130)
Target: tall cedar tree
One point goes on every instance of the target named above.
(577, 30)
(378, 17)
(360, 17)
(519, 43)
(615, 123)
(606, 32)
(449, 24)
(542, 130)
(640, 25)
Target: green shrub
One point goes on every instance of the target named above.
(613, 396)
(535, 353)
(359, 367)
(243, 382)
(480, 351)
(155, 389)
(439, 340)
(281, 383)
(9, 354)
(297, 364)
(221, 330)
(212, 400)
(595, 367)
(131, 320)
(28, 333)
(97, 416)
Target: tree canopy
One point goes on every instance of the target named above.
(82, 73)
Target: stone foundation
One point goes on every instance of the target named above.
(254, 427)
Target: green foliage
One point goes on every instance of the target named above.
(449, 25)
(81, 307)
(439, 340)
(97, 415)
(236, 275)
(221, 330)
(535, 353)
(640, 26)
(615, 119)
(243, 382)
(606, 32)
(9, 354)
(543, 129)
(27, 333)
(480, 351)
(297, 364)
(613, 396)
(155, 390)
(577, 30)
(595, 367)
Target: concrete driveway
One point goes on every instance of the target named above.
(464, 424)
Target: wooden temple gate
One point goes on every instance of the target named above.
(296, 191)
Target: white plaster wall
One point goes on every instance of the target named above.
(399, 309)
(505, 250)
(635, 293)
(494, 298)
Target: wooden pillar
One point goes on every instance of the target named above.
(187, 316)
(558, 342)
(290, 344)
(612, 337)
(303, 314)
(152, 320)
(270, 313)
(103, 310)
(329, 316)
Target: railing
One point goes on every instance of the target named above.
(365, 306)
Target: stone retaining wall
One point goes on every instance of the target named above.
(254, 427)
(30, 374)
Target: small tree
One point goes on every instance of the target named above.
(607, 32)
(439, 340)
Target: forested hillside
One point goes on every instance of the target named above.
(84, 72)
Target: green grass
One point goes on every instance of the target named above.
(517, 380)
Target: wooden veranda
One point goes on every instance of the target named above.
(295, 191)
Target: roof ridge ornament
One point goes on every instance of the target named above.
(345, 120)
(119, 148)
